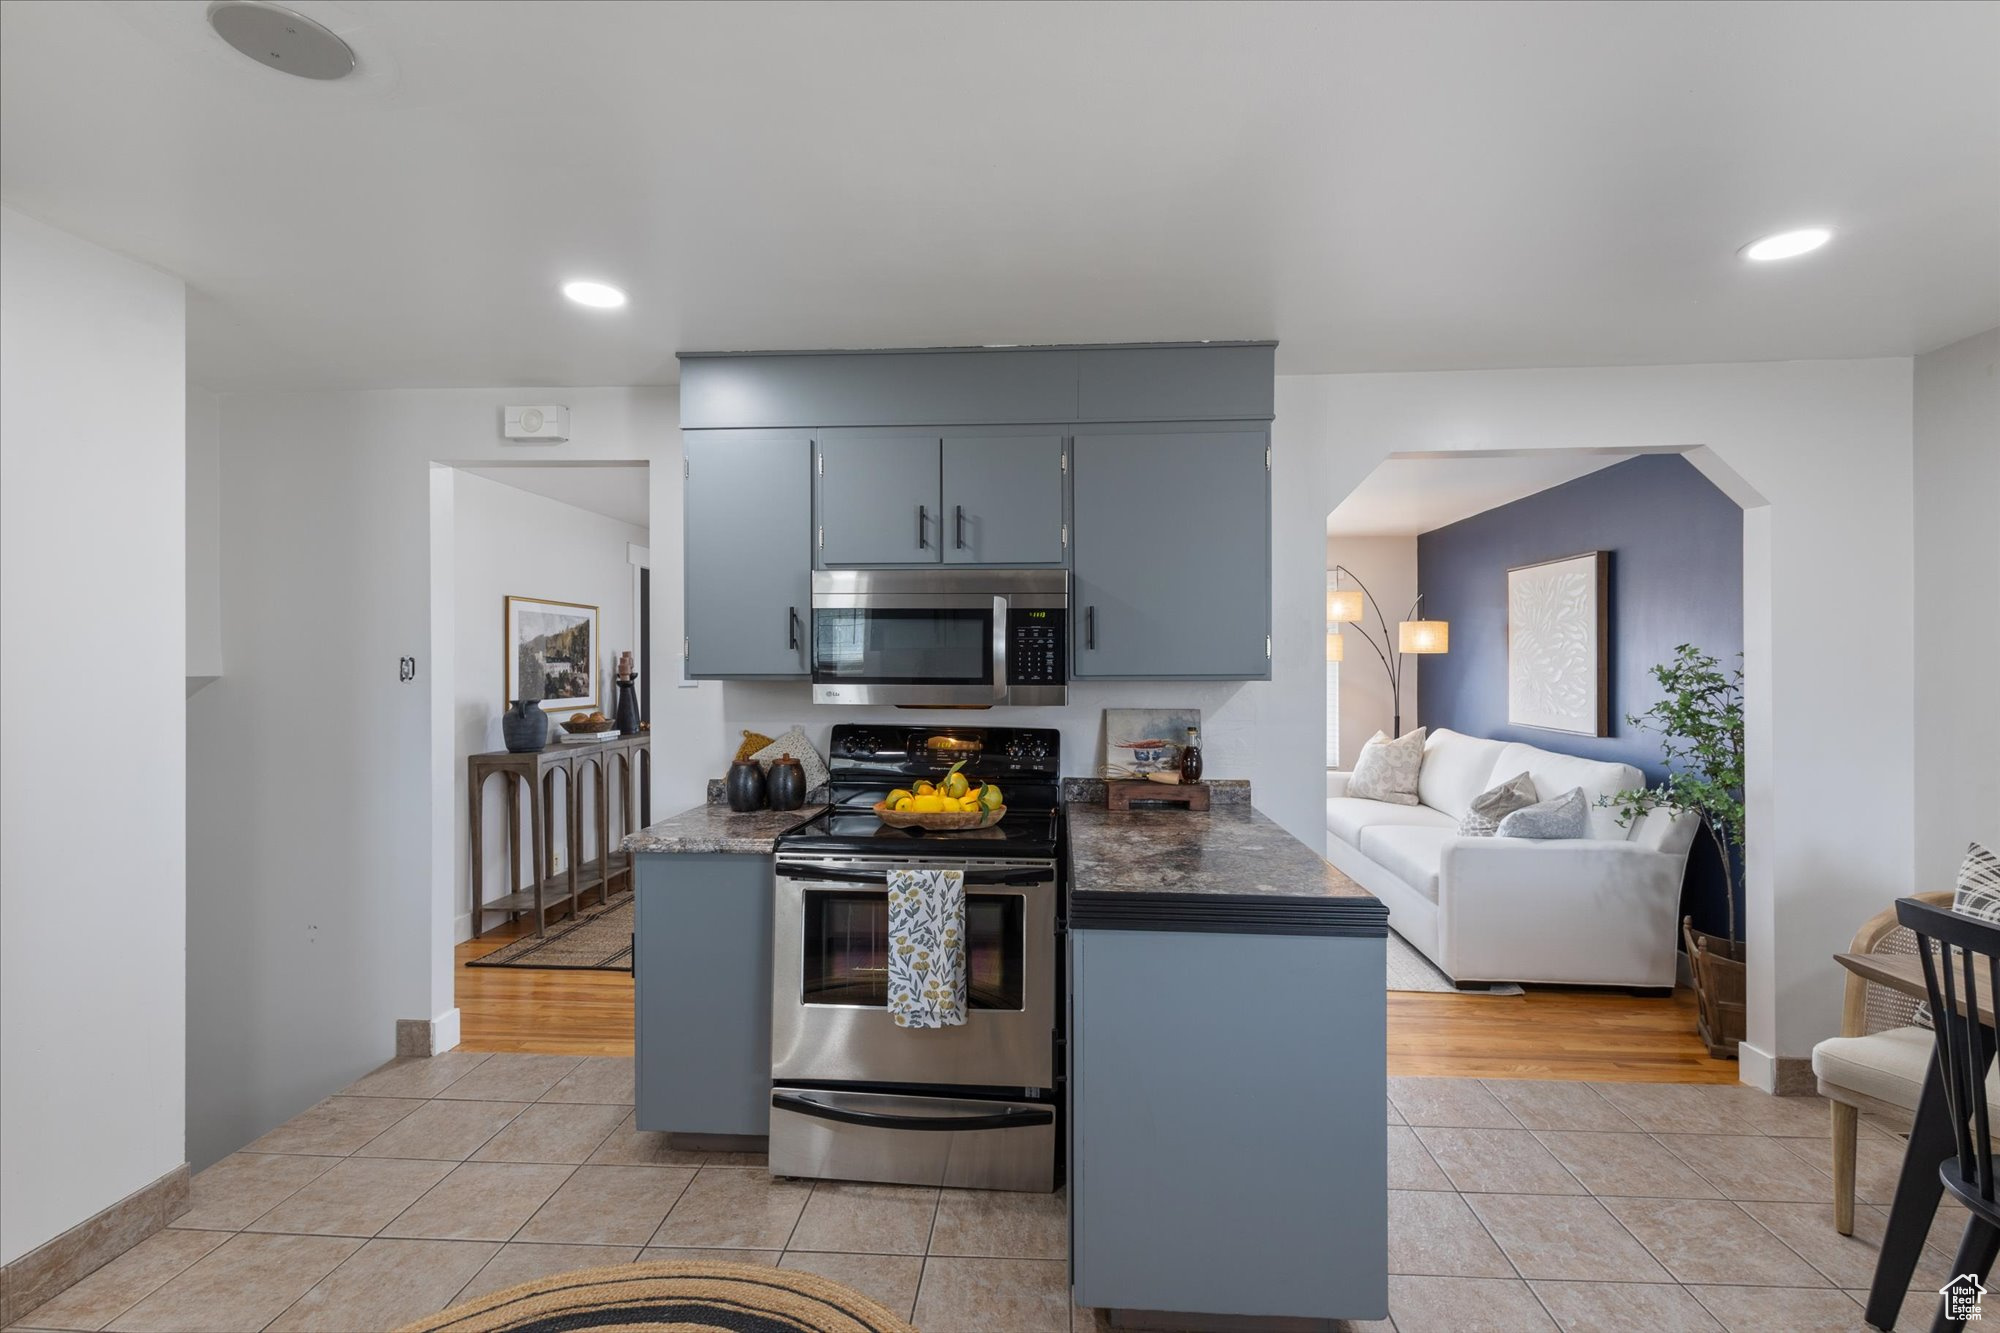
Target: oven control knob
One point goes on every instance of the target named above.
(861, 743)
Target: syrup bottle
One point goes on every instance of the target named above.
(1191, 757)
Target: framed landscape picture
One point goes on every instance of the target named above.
(552, 653)
(1558, 655)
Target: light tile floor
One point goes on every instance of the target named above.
(1513, 1206)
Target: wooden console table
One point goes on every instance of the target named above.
(579, 763)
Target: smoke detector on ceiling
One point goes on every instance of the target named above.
(281, 38)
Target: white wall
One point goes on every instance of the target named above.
(508, 542)
(204, 534)
(1957, 604)
(1819, 452)
(321, 816)
(93, 609)
(1388, 565)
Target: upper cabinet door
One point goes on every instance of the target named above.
(879, 499)
(1003, 499)
(1172, 555)
(748, 571)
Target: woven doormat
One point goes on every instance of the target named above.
(682, 1295)
(598, 940)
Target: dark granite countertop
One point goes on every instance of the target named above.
(716, 828)
(1229, 868)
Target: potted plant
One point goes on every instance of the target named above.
(1700, 717)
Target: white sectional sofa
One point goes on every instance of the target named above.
(1600, 911)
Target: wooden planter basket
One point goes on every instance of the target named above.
(1718, 988)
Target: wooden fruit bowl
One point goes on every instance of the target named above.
(942, 819)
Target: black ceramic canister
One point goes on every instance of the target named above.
(744, 785)
(787, 783)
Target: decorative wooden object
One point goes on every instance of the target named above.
(1719, 979)
(1119, 794)
(588, 766)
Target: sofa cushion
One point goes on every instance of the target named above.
(1457, 767)
(1483, 816)
(1409, 851)
(1888, 1066)
(1346, 816)
(1554, 820)
(1386, 770)
(1555, 774)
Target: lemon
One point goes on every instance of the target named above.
(927, 804)
(924, 789)
(989, 797)
(907, 803)
(893, 798)
(956, 786)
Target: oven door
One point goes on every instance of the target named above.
(829, 1002)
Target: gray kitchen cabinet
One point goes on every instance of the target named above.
(701, 979)
(1172, 554)
(879, 498)
(748, 525)
(1003, 499)
(1212, 1115)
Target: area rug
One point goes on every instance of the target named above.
(598, 940)
(682, 1295)
(1410, 970)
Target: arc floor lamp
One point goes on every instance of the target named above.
(1414, 637)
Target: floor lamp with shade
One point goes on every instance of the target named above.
(1414, 637)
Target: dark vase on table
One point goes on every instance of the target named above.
(626, 714)
(786, 783)
(525, 727)
(744, 786)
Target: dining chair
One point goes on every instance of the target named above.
(1877, 1063)
(1961, 959)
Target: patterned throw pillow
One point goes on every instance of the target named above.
(1977, 894)
(1564, 816)
(795, 744)
(1387, 770)
(1483, 816)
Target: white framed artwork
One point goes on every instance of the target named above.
(1558, 653)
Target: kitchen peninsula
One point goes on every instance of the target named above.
(1225, 1038)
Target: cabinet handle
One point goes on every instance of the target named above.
(921, 516)
(792, 627)
(958, 517)
(1090, 628)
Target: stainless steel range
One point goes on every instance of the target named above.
(854, 1096)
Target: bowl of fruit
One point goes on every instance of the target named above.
(953, 803)
(588, 724)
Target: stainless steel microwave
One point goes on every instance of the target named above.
(940, 637)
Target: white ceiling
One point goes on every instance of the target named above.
(1379, 186)
(1406, 495)
(617, 491)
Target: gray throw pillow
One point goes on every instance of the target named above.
(1387, 770)
(1564, 816)
(1483, 816)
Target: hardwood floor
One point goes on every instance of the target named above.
(1547, 1033)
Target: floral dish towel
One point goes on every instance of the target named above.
(927, 947)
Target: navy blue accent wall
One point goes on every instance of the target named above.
(1676, 546)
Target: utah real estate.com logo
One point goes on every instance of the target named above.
(1962, 1296)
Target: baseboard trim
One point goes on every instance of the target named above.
(53, 1267)
(1755, 1067)
(427, 1036)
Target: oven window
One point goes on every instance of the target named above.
(847, 949)
(903, 647)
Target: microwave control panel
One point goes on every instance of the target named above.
(1037, 647)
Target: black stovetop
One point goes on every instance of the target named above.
(869, 761)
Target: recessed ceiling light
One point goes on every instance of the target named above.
(286, 41)
(599, 295)
(1787, 244)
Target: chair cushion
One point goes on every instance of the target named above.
(1411, 853)
(1346, 816)
(1555, 774)
(1887, 1066)
(1386, 770)
(1457, 767)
